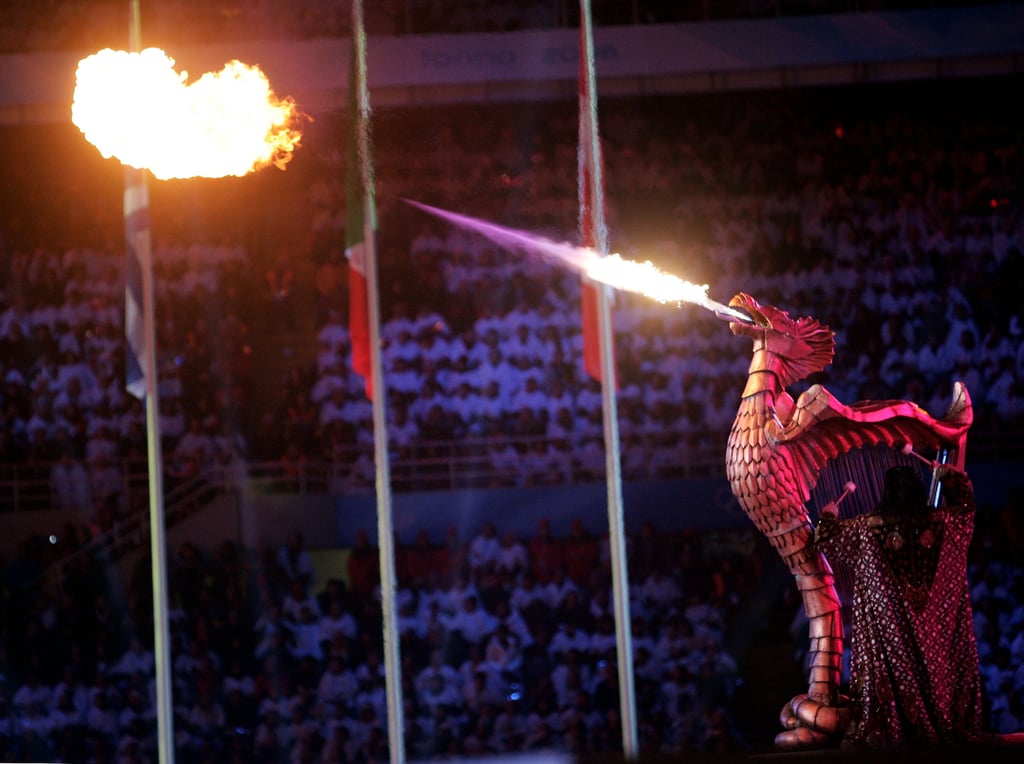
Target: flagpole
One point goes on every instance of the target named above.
(385, 532)
(138, 241)
(592, 224)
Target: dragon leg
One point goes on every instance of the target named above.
(819, 710)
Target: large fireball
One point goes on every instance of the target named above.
(137, 108)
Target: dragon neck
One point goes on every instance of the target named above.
(762, 377)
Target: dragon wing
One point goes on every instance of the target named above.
(822, 428)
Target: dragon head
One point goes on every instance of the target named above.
(797, 347)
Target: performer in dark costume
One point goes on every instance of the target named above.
(914, 660)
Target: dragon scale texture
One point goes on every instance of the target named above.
(776, 450)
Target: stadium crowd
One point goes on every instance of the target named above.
(898, 226)
(507, 645)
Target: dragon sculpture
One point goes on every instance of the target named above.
(776, 450)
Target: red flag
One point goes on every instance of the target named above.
(359, 321)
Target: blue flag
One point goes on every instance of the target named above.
(136, 235)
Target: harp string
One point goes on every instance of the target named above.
(865, 468)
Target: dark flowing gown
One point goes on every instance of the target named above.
(914, 676)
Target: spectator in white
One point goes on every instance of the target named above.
(102, 441)
(402, 345)
(275, 700)
(101, 718)
(503, 650)
(469, 346)
(588, 399)
(337, 684)
(72, 396)
(371, 697)
(933, 360)
(494, 406)
(32, 694)
(64, 714)
(568, 638)
(660, 591)
(482, 690)
(137, 659)
(483, 550)
(427, 318)
(527, 596)
(569, 676)
(547, 463)
(410, 625)
(333, 407)
(561, 425)
(295, 562)
(531, 396)
(472, 622)
(496, 368)
(337, 621)
(73, 687)
(69, 483)
(505, 460)
(131, 415)
(398, 321)
(306, 632)
(436, 693)
(511, 558)
(206, 717)
(679, 689)
(332, 377)
(172, 419)
(436, 666)
(229, 470)
(961, 324)
(105, 481)
(333, 335)
(474, 661)
(434, 348)
(237, 679)
(35, 729)
(74, 366)
(557, 587)
(558, 397)
(195, 444)
(271, 630)
(266, 741)
(551, 349)
(1000, 384)
(403, 377)
(429, 396)
(469, 407)
(489, 322)
(505, 614)
(602, 641)
(523, 348)
(298, 597)
(455, 595)
(459, 371)
(898, 359)
(135, 709)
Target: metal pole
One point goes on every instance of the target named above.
(385, 532)
(136, 199)
(591, 154)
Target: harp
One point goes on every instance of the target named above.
(855, 480)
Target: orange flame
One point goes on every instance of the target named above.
(135, 107)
